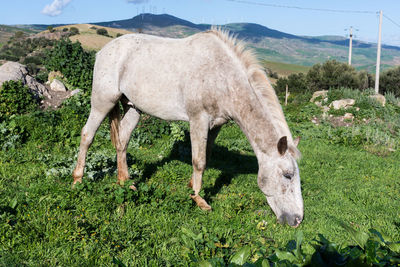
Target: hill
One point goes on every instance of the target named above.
(89, 38)
(8, 31)
(272, 45)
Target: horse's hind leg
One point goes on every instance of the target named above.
(96, 116)
(198, 135)
(126, 126)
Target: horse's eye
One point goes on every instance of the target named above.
(288, 175)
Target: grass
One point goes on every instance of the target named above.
(43, 220)
(284, 69)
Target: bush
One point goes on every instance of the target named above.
(74, 30)
(65, 30)
(390, 81)
(15, 98)
(102, 31)
(334, 74)
(50, 29)
(73, 62)
(297, 83)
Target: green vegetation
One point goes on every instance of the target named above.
(284, 69)
(344, 179)
(15, 98)
(74, 63)
(349, 178)
(390, 81)
(331, 74)
(102, 31)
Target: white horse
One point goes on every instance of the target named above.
(205, 79)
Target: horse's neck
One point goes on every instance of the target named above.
(256, 124)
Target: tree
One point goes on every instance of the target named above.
(102, 31)
(74, 30)
(50, 29)
(390, 81)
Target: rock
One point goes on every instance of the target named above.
(12, 71)
(348, 116)
(74, 92)
(17, 72)
(379, 98)
(323, 94)
(57, 86)
(342, 103)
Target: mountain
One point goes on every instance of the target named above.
(270, 44)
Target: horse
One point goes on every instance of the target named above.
(207, 79)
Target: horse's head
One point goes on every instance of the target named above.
(279, 180)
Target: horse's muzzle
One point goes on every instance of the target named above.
(293, 220)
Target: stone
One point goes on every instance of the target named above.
(379, 98)
(57, 86)
(12, 71)
(342, 103)
(74, 92)
(323, 94)
(17, 72)
(348, 116)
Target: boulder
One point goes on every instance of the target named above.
(17, 72)
(57, 86)
(342, 103)
(74, 92)
(12, 71)
(323, 94)
(54, 75)
(348, 116)
(379, 98)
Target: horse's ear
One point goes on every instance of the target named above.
(296, 141)
(282, 145)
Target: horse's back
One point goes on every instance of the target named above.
(162, 76)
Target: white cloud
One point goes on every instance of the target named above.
(136, 2)
(55, 8)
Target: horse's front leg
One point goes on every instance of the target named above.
(198, 135)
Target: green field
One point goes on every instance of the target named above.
(347, 176)
(284, 69)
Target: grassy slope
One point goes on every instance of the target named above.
(55, 225)
(284, 69)
(89, 38)
(7, 31)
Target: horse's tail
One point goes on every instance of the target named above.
(115, 118)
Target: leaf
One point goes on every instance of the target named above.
(241, 256)
(14, 203)
(118, 262)
(395, 247)
(360, 237)
(205, 263)
(285, 255)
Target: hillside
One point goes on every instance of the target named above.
(272, 45)
(87, 35)
(8, 31)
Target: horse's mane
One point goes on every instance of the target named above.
(259, 81)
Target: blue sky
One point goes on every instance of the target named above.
(290, 20)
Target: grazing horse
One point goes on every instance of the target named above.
(206, 79)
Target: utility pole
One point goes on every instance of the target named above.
(351, 43)
(378, 54)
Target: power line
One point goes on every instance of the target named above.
(395, 23)
(304, 8)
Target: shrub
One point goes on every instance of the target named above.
(15, 98)
(119, 35)
(50, 29)
(73, 62)
(390, 81)
(102, 31)
(297, 83)
(65, 30)
(334, 74)
(74, 30)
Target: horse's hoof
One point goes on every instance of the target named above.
(75, 182)
(201, 203)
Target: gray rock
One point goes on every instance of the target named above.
(15, 71)
(342, 103)
(57, 86)
(323, 94)
(74, 92)
(379, 98)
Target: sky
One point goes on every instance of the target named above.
(290, 16)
